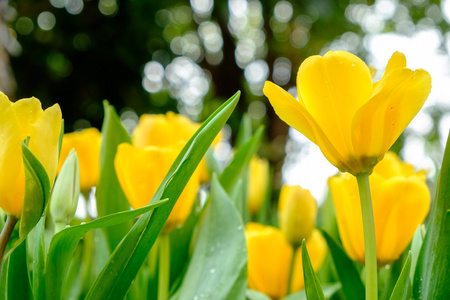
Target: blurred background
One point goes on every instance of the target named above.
(190, 56)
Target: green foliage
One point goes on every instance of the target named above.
(402, 289)
(125, 261)
(220, 254)
(109, 195)
(431, 280)
(312, 285)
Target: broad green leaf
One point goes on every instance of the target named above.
(18, 284)
(38, 283)
(127, 258)
(312, 285)
(328, 290)
(402, 289)
(431, 277)
(388, 277)
(348, 275)
(245, 131)
(211, 163)
(256, 295)
(238, 167)
(37, 191)
(109, 195)
(220, 253)
(64, 243)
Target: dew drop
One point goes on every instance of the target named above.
(239, 227)
(212, 271)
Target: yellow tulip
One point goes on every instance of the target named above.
(258, 180)
(87, 145)
(269, 259)
(141, 171)
(297, 211)
(17, 121)
(166, 131)
(352, 120)
(401, 201)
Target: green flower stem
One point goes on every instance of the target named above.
(369, 237)
(291, 270)
(164, 267)
(4, 237)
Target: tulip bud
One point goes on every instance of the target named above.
(297, 212)
(257, 183)
(66, 192)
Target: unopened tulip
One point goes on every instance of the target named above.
(297, 211)
(258, 180)
(401, 201)
(19, 120)
(141, 171)
(86, 143)
(353, 121)
(269, 259)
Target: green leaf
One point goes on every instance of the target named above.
(312, 285)
(39, 261)
(109, 195)
(127, 258)
(18, 284)
(237, 169)
(431, 279)
(220, 253)
(328, 290)
(37, 191)
(402, 289)
(64, 243)
(416, 245)
(348, 274)
(245, 131)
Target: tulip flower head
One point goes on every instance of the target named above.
(19, 120)
(297, 211)
(141, 171)
(257, 182)
(269, 259)
(352, 120)
(167, 130)
(401, 201)
(86, 143)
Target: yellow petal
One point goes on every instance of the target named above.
(44, 139)
(344, 190)
(397, 61)
(12, 176)
(407, 204)
(269, 258)
(378, 124)
(392, 166)
(258, 180)
(295, 114)
(317, 250)
(87, 145)
(333, 88)
(141, 171)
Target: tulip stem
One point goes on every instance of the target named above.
(369, 236)
(291, 270)
(4, 237)
(164, 267)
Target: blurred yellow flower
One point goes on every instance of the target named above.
(17, 121)
(401, 201)
(269, 259)
(297, 211)
(141, 171)
(352, 120)
(258, 180)
(87, 144)
(165, 131)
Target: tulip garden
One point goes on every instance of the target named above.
(174, 223)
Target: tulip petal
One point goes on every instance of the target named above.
(397, 61)
(379, 122)
(295, 114)
(344, 190)
(333, 88)
(12, 176)
(269, 258)
(407, 204)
